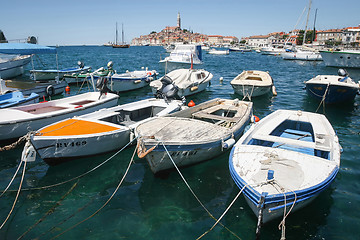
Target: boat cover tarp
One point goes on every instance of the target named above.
(25, 48)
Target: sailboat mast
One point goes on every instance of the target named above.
(313, 38)
(122, 33)
(116, 41)
(307, 20)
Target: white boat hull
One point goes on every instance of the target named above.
(16, 122)
(127, 84)
(13, 68)
(51, 149)
(251, 90)
(341, 59)
(173, 65)
(304, 56)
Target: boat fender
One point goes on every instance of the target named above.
(274, 90)
(137, 81)
(255, 119)
(132, 136)
(228, 143)
(50, 90)
(194, 88)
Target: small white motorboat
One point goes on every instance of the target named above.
(181, 82)
(131, 80)
(301, 54)
(253, 83)
(18, 121)
(183, 56)
(102, 131)
(284, 161)
(192, 135)
(218, 52)
(13, 65)
(332, 89)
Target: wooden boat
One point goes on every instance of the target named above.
(193, 135)
(16, 122)
(16, 98)
(79, 78)
(284, 161)
(122, 45)
(181, 82)
(102, 131)
(253, 83)
(332, 89)
(131, 80)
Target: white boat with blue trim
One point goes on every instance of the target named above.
(284, 161)
(192, 135)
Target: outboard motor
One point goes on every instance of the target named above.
(342, 72)
(110, 65)
(168, 90)
(101, 85)
(81, 64)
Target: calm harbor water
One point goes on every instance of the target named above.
(149, 207)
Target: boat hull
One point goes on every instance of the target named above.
(333, 93)
(55, 150)
(17, 127)
(41, 75)
(13, 68)
(251, 90)
(123, 85)
(341, 59)
(304, 56)
(173, 65)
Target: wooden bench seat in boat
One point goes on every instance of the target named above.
(209, 113)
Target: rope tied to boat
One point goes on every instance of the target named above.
(18, 142)
(246, 94)
(141, 149)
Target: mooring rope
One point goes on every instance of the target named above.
(81, 175)
(193, 193)
(16, 198)
(49, 212)
(112, 195)
(12, 179)
(322, 102)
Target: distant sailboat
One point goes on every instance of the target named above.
(122, 45)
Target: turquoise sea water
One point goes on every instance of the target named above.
(149, 207)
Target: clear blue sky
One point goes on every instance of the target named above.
(78, 22)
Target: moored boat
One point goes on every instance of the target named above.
(13, 99)
(131, 80)
(284, 161)
(102, 131)
(192, 135)
(181, 82)
(12, 65)
(345, 58)
(332, 89)
(18, 121)
(253, 83)
(218, 52)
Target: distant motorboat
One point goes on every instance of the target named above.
(194, 134)
(284, 161)
(105, 130)
(240, 49)
(272, 50)
(345, 58)
(253, 83)
(218, 52)
(183, 56)
(300, 54)
(13, 65)
(181, 82)
(332, 89)
(13, 99)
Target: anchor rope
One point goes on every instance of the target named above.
(20, 140)
(16, 198)
(81, 175)
(322, 102)
(109, 199)
(49, 212)
(193, 193)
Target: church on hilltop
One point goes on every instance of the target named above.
(172, 35)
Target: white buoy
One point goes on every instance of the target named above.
(221, 79)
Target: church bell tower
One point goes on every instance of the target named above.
(178, 21)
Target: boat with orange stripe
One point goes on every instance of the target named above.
(98, 132)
